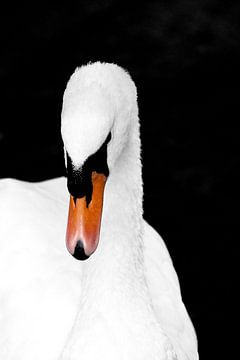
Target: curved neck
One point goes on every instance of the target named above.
(119, 251)
(115, 302)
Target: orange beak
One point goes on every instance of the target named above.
(84, 221)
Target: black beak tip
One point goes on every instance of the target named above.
(79, 252)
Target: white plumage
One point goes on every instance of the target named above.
(124, 302)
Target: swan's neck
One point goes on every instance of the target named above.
(115, 304)
(116, 269)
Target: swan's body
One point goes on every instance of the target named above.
(124, 302)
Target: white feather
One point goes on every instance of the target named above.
(124, 302)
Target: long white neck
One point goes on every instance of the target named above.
(116, 266)
(115, 312)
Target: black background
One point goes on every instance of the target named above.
(184, 58)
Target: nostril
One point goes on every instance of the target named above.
(79, 252)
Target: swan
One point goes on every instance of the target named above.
(123, 301)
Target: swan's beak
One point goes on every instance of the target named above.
(84, 220)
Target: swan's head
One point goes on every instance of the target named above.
(98, 106)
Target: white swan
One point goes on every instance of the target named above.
(124, 302)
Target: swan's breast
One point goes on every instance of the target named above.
(39, 281)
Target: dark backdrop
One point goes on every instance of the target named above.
(184, 57)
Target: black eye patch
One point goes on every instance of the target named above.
(80, 181)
